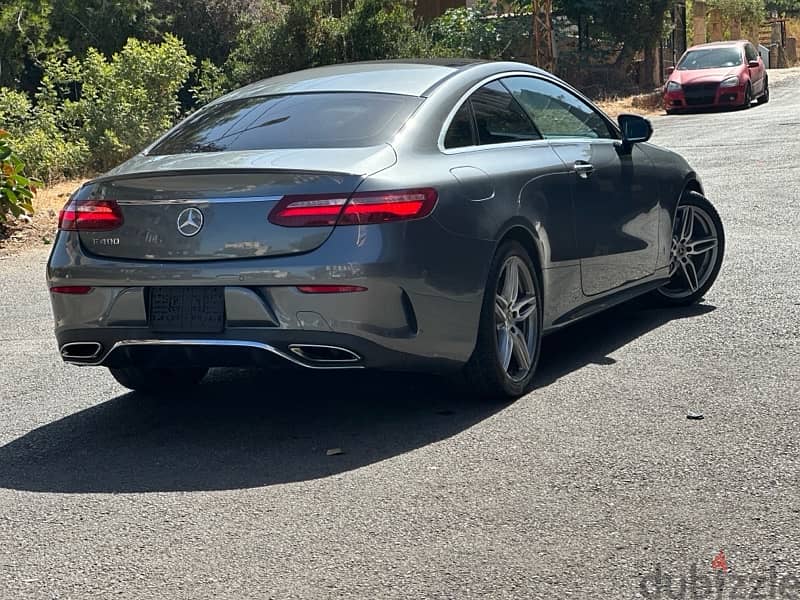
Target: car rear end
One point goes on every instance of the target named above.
(252, 236)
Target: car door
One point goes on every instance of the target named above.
(756, 73)
(502, 163)
(615, 193)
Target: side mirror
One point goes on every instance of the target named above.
(670, 70)
(753, 64)
(635, 129)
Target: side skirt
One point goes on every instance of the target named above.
(595, 306)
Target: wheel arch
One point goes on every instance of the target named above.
(520, 233)
(692, 184)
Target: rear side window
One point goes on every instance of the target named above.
(313, 120)
(498, 117)
(460, 133)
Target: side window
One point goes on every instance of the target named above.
(498, 117)
(750, 52)
(460, 132)
(556, 112)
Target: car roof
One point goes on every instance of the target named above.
(406, 77)
(728, 44)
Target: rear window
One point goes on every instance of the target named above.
(314, 120)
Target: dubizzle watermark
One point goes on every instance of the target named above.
(721, 583)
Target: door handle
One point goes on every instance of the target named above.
(583, 169)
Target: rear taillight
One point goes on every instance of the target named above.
(319, 210)
(90, 215)
(363, 208)
(331, 289)
(71, 289)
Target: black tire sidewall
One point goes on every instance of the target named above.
(491, 379)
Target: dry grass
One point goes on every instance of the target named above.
(39, 230)
(643, 104)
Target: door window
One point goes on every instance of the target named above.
(750, 52)
(556, 112)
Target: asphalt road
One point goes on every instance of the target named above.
(585, 488)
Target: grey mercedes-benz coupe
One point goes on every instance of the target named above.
(427, 216)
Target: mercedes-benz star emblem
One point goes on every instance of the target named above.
(190, 221)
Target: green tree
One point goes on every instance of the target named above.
(24, 39)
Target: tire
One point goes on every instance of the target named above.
(704, 255)
(158, 381)
(748, 98)
(484, 373)
(764, 97)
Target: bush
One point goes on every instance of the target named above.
(16, 190)
(125, 103)
(298, 36)
(303, 34)
(467, 32)
(377, 30)
(37, 139)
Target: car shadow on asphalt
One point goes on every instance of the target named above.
(591, 341)
(244, 428)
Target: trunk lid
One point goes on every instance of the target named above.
(188, 208)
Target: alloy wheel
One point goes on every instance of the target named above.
(516, 318)
(693, 255)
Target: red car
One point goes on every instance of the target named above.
(721, 74)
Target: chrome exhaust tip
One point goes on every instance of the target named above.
(81, 350)
(316, 353)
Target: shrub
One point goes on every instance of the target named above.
(303, 34)
(37, 139)
(16, 190)
(467, 32)
(298, 36)
(377, 30)
(116, 106)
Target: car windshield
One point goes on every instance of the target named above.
(710, 58)
(311, 120)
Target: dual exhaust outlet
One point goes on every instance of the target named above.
(309, 354)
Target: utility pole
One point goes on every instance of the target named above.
(543, 54)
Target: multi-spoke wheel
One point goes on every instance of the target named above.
(698, 245)
(509, 334)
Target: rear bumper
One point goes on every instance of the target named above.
(242, 348)
(420, 310)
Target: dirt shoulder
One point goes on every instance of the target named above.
(39, 230)
(646, 105)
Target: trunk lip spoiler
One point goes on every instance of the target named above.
(211, 200)
(215, 171)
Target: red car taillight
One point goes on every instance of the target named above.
(71, 289)
(363, 208)
(331, 289)
(90, 215)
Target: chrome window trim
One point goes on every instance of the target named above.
(476, 147)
